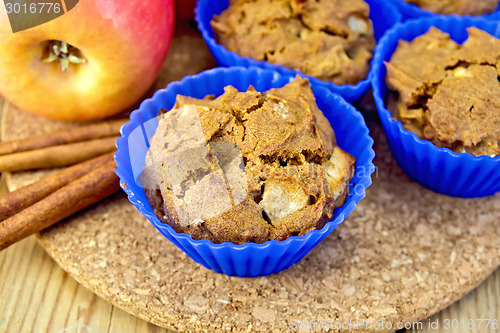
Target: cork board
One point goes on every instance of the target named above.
(404, 254)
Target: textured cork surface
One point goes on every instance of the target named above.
(403, 255)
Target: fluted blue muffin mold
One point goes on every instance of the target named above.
(438, 169)
(383, 15)
(250, 259)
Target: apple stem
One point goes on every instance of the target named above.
(63, 52)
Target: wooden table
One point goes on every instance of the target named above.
(36, 295)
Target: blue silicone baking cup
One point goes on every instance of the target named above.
(251, 259)
(383, 15)
(410, 11)
(438, 169)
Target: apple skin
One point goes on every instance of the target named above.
(124, 42)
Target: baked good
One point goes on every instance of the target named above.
(460, 7)
(329, 39)
(246, 166)
(449, 93)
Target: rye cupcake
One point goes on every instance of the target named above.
(236, 209)
(331, 42)
(436, 88)
(410, 9)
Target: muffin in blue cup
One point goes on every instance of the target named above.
(382, 15)
(413, 9)
(447, 167)
(250, 259)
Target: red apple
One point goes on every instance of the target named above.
(184, 9)
(122, 45)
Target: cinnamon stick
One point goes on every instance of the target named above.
(17, 200)
(83, 133)
(69, 199)
(57, 156)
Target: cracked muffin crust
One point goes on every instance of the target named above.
(329, 39)
(246, 166)
(448, 93)
(460, 7)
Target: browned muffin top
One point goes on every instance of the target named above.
(329, 39)
(247, 167)
(460, 7)
(449, 93)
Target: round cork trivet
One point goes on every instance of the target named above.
(404, 254)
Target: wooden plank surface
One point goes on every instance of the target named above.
(36, 295)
